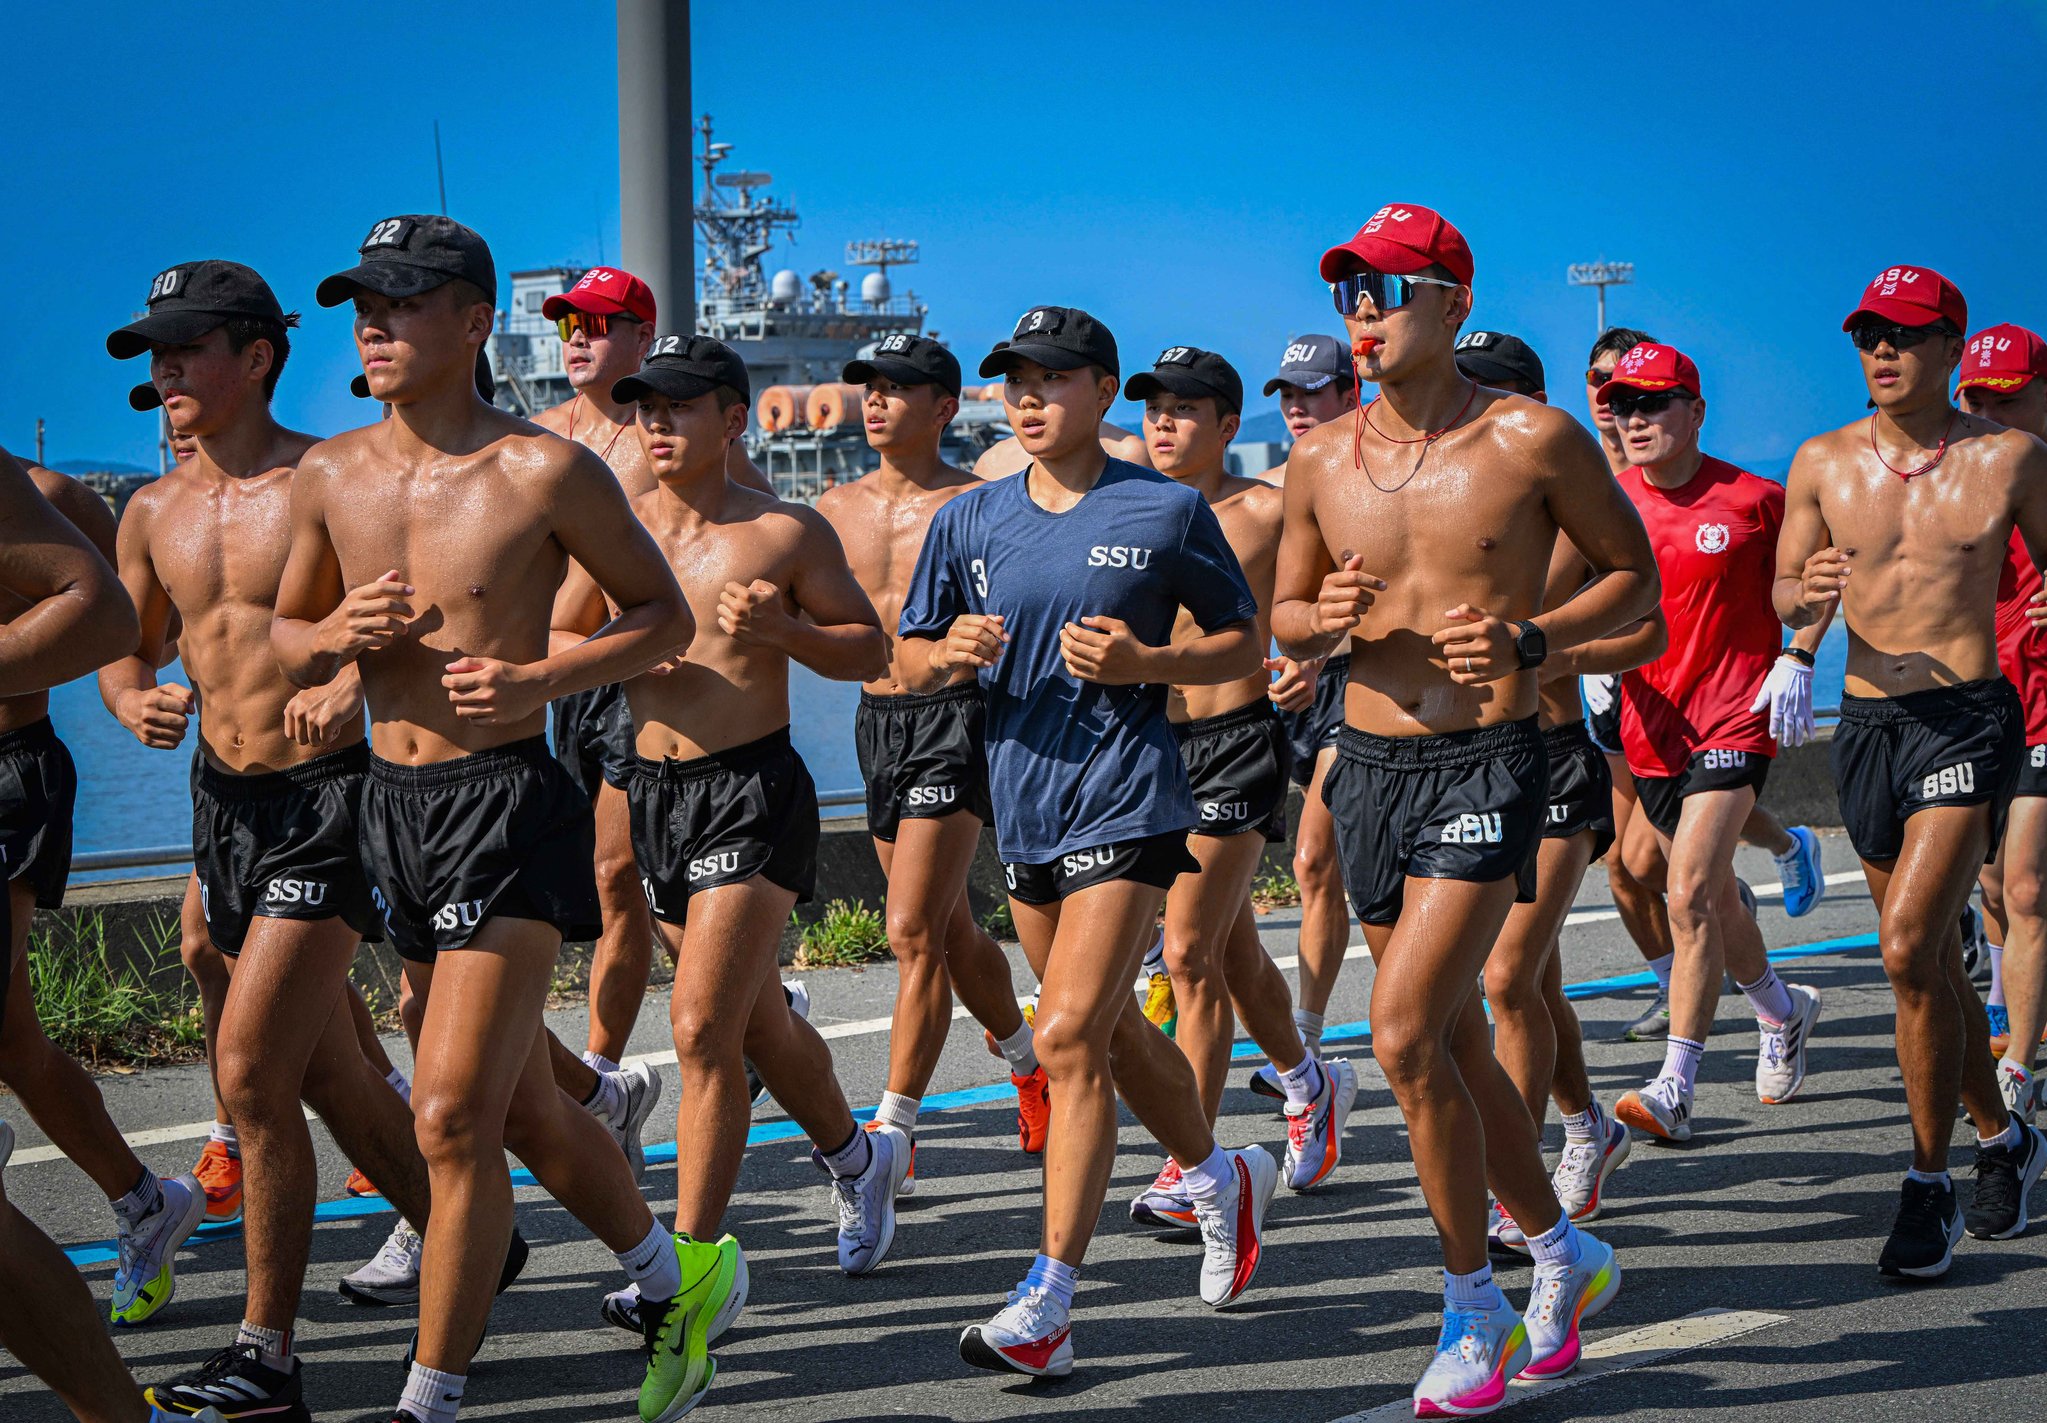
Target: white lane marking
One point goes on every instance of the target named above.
(1616, 1354)
(859, 1027)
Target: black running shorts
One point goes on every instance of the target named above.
(723, 819)
(1156, 860)
(1466, 805)
(2032, 773)
(1237, 764)
(923, 757)
(1311, 732)
(1663, 797)
(1580, 788)
(1896, 756)
(38, 790)
(593, 737)
(502, 833)
(282, 844)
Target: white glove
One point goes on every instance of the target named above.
(1787, 692)
(1598, 692)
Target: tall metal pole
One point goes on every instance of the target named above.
(1601, 274)
(657, 215)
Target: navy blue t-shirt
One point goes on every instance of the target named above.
(1073, 764)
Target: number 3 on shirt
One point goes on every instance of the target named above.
(980, 577)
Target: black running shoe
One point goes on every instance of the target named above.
(2004, 1178)
(1922, 1243)
(515, 1261)
(236, 1383)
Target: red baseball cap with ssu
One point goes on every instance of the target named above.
(2002, 358)
(603, 291)
(1911, 296)
(1400, 239)
(1652, 367)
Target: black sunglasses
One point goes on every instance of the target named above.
(1625, 403)
(1868, 335)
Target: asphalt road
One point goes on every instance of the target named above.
(1776, 1212)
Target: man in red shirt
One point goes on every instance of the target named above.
(2001, 380)
(1699, 755)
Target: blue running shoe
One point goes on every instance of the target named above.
(2000, 1027)
(1799, 869)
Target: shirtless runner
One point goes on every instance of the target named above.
(1535, 1029)
(1904, 519)
(1441, 781)
(1059, 588)
(274, 788)
(724, 813)
(65, 616)
(2004, 379)
(923, 756)
(427, 549)
(1237, 754)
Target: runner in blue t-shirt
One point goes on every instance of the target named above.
(1061, 586)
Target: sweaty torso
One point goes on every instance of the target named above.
(218, 546)
(883, 529)
(1462, 521)
(617, 445)
(87, 513)
(1925, 555)
(724, 693)
(1250, 512)
(473, 534)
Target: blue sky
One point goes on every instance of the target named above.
(1176, 168)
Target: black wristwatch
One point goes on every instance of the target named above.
(1531, 645)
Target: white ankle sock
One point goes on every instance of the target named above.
(1585, 1125)
(1310, 1026)
(1769, 997)
(1057, 1277)
(1303, 1084)
(1661, 968)
(1556, 1246)
(899, 1111)
(1996, 998)
(607, 1098)
(850, 1159)
(275, 1344)
(2012, 1135)
(225, 1135)
(433, 1395)
(1931, 1178)
(1208, 1180)
(1020, 1048)
(652, 1264)
(598, 1062)
(1681, 1059)
(142, 1201)
(399, 1085)
(1473, 1291)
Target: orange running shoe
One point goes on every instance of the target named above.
(220, 1172)
(1033, 1110)
(359, 1184)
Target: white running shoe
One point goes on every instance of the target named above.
(621, 1308)
(867, 1203)
(1780, 1060)
(1477, 1355)
(1502, 1236)
(1165, 1202)
(1314, 1130)
(1029, 1335)
(639, 1088)
(392, 1277)
(145, 1274)
(799, 1004)
(1233, 1226)
(2019, 1089)
(1580, 1177)
(1663, 1109)
(1560, 1299)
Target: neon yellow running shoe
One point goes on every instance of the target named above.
(145, 1275)
(679, 1365)
(1159, 1008)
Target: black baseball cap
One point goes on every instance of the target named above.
(1494, 358)
(191, 299)
(486, 384)
(907, 360)
(1059, 338)
(144, 397)
(683, 368)
(1189, 370)
(1312, 361)
(411, 254)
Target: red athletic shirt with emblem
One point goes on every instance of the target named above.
(2021, 647)
(1716, 548)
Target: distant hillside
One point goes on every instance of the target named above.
(97, 467)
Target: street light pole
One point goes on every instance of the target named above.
(1601, 274)
(657, 207)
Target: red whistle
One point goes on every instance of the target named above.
(1364, 346)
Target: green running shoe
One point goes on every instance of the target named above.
(679, 1365)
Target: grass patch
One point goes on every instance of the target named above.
(102, 1009)
(1274, 889)
(999, 922)
(844, 935)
